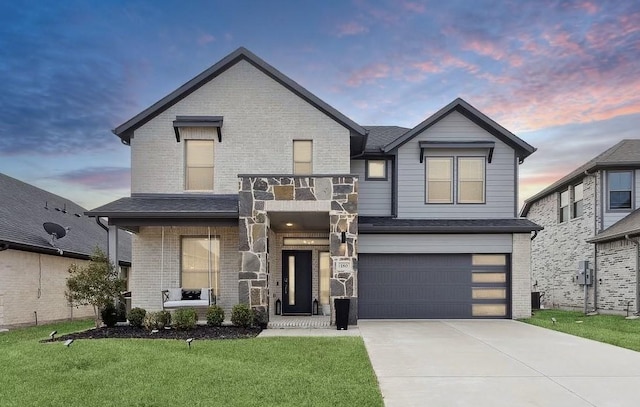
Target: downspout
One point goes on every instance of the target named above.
(637, 244)
(595, 245)
(101, 224)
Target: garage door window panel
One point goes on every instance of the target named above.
(489, 310)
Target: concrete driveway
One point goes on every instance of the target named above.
(497, 363)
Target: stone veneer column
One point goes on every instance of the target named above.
(340, 191)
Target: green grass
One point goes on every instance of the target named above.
(295, 371)
(611, 329)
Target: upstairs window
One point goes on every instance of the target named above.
(564, 206)
(376, 170)
(439, 180)
(302, 157)
(578, 196)
(620, 186)
(471, 179)
(199, 165)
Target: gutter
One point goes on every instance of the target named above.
(637, 244)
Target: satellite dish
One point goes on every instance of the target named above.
(56, 231)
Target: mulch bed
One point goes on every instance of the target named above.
(199, 332)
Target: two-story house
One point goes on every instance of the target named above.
(245, 182)
(590, 215)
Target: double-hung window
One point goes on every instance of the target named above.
(200, 262)
(439, 180)
(564, 206)
(302, 157)
(471, 179)
(578, 197)
(620, 186)
(199, 165)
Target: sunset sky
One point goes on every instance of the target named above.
(562, 75)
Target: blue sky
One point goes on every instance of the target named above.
(562, 75)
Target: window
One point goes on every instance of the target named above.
(325, 276)
(564, 206)
(376, 170)
(578, 195)
(199, 165)
(619, 184)
(302, 157)
(439, 179)
(471, 179)
(200, 258)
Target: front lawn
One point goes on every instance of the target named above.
(298, 371)
(613, 329)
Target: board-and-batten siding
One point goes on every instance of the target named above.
(452, 243)
(374, 197)
(500, 173)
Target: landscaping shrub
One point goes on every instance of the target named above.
(165, 318)
(215, 315)
(185, 319)
(136, 317)
(260, 318)
(109, 315)
(121, 311)
(156, 320)
(242, 315)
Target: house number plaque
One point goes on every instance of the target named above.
(342, 265)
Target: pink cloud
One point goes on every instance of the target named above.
(427, 67)
(369, 74)
(352, 28)
(589, 6)
(414, 7)
(205, 39)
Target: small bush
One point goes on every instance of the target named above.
(215, 315)
(260, 317)
(242, 315)
(109, 315)
(121, 311)
(136, 317)
(185, 319)
(155, 320)
(165, 318)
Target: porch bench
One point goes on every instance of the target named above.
(182, 298)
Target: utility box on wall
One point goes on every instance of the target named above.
(585, 274)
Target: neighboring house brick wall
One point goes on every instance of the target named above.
(616, 270)
(147, 283)
(558, 248)
(521, 276)
(24, 290)
(261, 120)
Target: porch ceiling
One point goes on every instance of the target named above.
(300, 221)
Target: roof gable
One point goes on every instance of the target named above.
(125, 131)
(625, 153)
(523, 149)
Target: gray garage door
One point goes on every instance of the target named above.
(433, 286)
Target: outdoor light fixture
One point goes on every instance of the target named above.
(315, 307)
(343, 237)
(52, 335)
(289, 224)
(154, 331)
(553, 320)
(68, 342)
(189, 342)
(278, 307)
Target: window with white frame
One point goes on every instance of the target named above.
(471, 174)
(376, 170)
(564, 206)
(578, 197)
(439, 180)
(620, 187)
(200, 262)
(199, 165)
(302, 157)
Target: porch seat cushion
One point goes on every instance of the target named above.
(186, 303)
(175, 294)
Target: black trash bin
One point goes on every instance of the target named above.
(342, 313)
(535, 300)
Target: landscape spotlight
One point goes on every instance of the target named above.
(68, 342)
(189, 342)
(52, 335)
(553, 320)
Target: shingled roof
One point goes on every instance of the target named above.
(624, 154)
(627, 226)
(373, 224)
(380, 136)
(24, 209)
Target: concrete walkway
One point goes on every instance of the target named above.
(497, 363)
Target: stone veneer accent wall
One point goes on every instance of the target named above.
(556, 250)
(336, 194)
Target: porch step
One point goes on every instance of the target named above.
(304, 322)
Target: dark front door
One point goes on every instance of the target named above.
(296, 282)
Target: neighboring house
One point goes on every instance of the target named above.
(33, 266)
(590, 214)
(245, 182)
